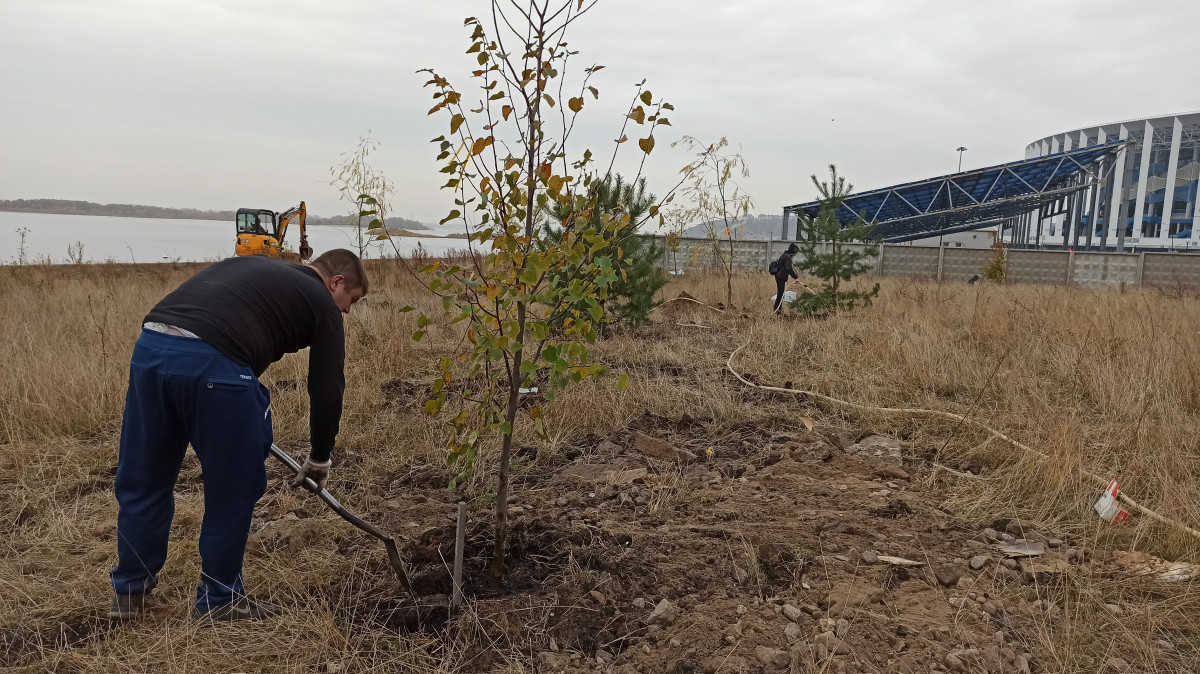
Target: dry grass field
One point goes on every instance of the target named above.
(1100, 380)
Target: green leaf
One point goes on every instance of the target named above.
(418, 335)
(404, 309)
(433, 407)
(622, 382)
(646, 97)
(453, 214)
(506, 428)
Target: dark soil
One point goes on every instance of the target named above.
(757, 548)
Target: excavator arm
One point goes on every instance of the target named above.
(299, 213)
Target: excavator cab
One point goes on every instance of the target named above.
(261, 231)
(256, 221)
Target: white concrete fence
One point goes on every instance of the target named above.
(1051, 267)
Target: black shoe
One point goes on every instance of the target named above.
(127, 606)
(242, 608)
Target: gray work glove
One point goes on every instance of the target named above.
(316, 471)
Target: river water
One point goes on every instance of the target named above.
(114, 239)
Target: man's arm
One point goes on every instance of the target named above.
(326, 385)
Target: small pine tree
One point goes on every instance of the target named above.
(996, 267)
(841, 263)
(631, 298)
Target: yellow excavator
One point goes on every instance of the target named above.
(261, 232)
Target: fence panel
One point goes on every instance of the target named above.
(1038, 266)
(1104, 270)
(1051, 267)
(697, 253)
(961, 264)
(910, 261)
(1174, 270)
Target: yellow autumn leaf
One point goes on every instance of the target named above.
(576, 104)
(647, 144)
(481, 144)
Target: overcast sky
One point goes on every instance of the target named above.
(220, 104)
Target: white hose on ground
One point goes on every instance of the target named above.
(958, 417)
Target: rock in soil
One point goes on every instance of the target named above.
(813, 452)
(772, 658)
(947, 575)
(664, 613)
(793, 633)
(881, 447)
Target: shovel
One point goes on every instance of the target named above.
(388, 542)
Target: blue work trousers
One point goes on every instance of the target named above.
(181, 390)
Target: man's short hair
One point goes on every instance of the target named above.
(342, 262)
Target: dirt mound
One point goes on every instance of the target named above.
(771, 549)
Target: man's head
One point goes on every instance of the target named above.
(793, 249)
(344, 276)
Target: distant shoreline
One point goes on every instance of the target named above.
(68, 207)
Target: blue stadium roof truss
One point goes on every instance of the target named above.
(973, 199)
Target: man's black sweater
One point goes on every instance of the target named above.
(255, 309)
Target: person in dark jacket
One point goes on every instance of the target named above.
(193, 378)
(783, 269)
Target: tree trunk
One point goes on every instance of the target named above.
(496, 570)
(729, 274)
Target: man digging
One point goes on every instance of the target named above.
(193, 378)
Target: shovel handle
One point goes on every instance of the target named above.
(388, 541)
(328, 498)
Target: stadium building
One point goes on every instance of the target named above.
(1157, 212)
(1077, 190)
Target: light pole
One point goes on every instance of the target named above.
(960, 149)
